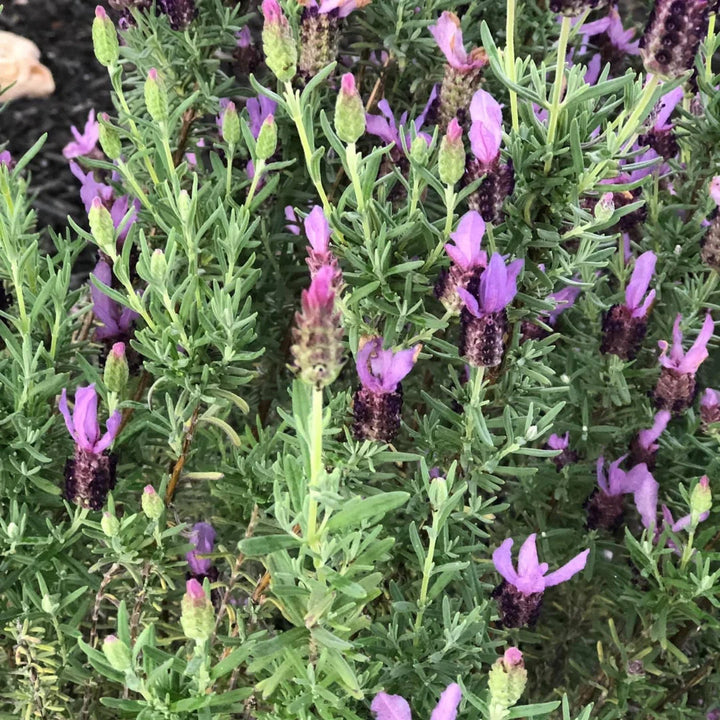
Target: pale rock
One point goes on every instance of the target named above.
(20, 67)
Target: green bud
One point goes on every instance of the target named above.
(109, 138)
(438, 492)
(419, 150)
(116, 372)
(267, 139)
(102, 228)
(197, 616)
(152, 504)
(185, 207)
(451, 158)
(117, 653)
(104, 37)
(110, 525)
(278, 42)
(507, 678)
(48, 605)
(605, 207)
(13, 531)
(349, 111)
(700, 500)
(158, 266)
(230, 124)
(155, 97)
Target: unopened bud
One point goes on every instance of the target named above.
(185, 207)
(349, 111)
(13, 531)
(507, 678)
(267, 139)
(116, 372)
(109, 138)
(48, 605)
(419, 150)
(278, 42)
(155, 97)
(117, 653)
(451, 158)
(104, 37)
(230, 124)
(438, 492)
(158, 266)
(152, 504)
(197, 616)
(110, 525)
(700, 500)
(605, 207)
(102, 227)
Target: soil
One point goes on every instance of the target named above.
(62, 31)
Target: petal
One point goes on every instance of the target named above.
(601, 479)
(528, 557)
(396, 366)
(568, 570)
(390, 707)
(470, 301)
(379, 126)
(492, 291)
(447, 706)
(448, 36)
(365, 352)
(667, 104)
(646, 438)
(112, 425)
(467, 237)
(502, 560)
(420, 120)
(641, 276)
(85, 416)
(698, 352)
(646, 495)
(317, 229)
(63, 407)
(486, 127)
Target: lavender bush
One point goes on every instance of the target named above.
(393, 390)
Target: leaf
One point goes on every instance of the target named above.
(522, 711)
(266, 544)
(358, 509)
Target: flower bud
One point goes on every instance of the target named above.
(419, 150)
(155, 97)
(605, 207)
(507, 678)
(451, 158)
(267, 139)
(158, 266)
(185, 207)
(48, 605)
(438, 492)
(116, 372)
(278, 42)
(152, 503)
(230, 124)
(110, 525)
(13, 531)
(197, 616)
(102, 227)
(104, 37)
(700, 500)
(109, 138)
(117, 653)
(349, 111)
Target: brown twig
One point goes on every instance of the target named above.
(187, 120)
(179, 464)
(128, 412)
(265, 579)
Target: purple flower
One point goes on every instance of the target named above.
(665, 107)
(91, 188)
(385, 127)
(690, 361)
(117, 320)
(85, 143)
(448, 35)
(564, 299)
(259, 109)
(531, 576)
(647, 438)
(619, 37)
(466, 252)
(344, 7)
(120, 208)
(638, 285)
(710, 399)
(244, 37)
(498, 287)
(6, 158)
(486, 128)
(559, 442)
(202, 537)
(317, 230)
(714, 189)
(83, 423)
(675, 526)
(380, 371)
(395, 707)
(292, 226)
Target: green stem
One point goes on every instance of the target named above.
(259, 167)
(557, 89)
(709, 42)
(450, 209)
(510, 61)
(228, 171)
(316, 466)
(427, 572)
(352, 157)
(476, 381)
(688, 550)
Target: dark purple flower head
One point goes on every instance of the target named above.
(448, 35)
(380, 371)
(259, 109)
(83, 423)
(117, 320)
(395, 707)
(686, 362)
(531, 576)
(638, 285)
(85, 142)
(202, 536)
(486, 127)
(387, 129)
(498, 287)
(466, 252)
(647, 438)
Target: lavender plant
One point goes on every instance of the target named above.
(376, 289)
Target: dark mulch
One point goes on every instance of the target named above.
(62, 31)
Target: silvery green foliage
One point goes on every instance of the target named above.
(346, 567)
